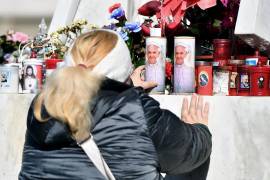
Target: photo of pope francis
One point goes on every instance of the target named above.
(155, 66)
(183, 73)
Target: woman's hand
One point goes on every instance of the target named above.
(138, 79)
(197, 112)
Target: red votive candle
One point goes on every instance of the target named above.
(233, 76)
(222, 51)
(259, 80)
(204, 78)
(51, 65)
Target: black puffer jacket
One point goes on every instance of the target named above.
(137, 139)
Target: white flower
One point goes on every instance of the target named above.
(155, 20)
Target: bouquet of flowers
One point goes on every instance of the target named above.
(129, 31)
(175, 17)
(203, 19)
(10, 44)
(63, 38)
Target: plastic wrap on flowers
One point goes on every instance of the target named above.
(131, 32)
(9, 46)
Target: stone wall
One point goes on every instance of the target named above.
(239, 126)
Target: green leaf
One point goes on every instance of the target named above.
(195, 31)
(217, 23)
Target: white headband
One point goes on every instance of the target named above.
(116, 64)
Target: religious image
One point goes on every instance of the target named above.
(233, 80)
(183, 71)
(244, 82)
(30, 80)
(155, 64)
(153, 53)
(4, 78)
(220, 82)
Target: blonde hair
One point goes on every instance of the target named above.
(87, 48)
(69, 91)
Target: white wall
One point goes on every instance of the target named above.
(239, 126)
(95, 11)
(25, 15)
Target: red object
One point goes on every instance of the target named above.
(172, 8)
(33, 54)
(233, 76)
(150, 8)
(168, 70)
(54, 56)
(243, 81)
(170, 12)
(204, 78)
(113, 7)
(37, 66)
(263, 60)
(39, 69)
(191, 3)
(204, 4)
(145, 29)
(222, 51)
(52, 63)
(172, 25)
(259, 80)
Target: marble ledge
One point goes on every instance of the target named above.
(240, 128)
